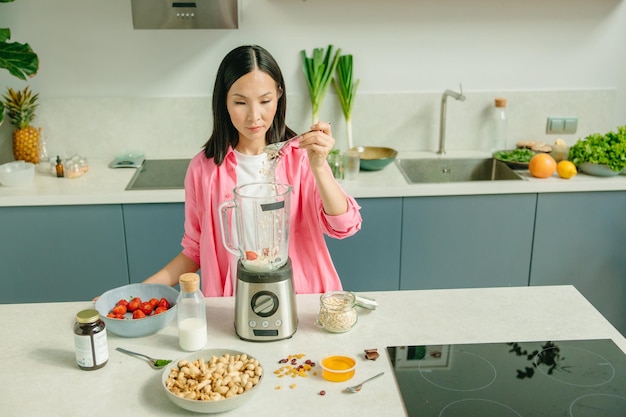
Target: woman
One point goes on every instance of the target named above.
(249, 105)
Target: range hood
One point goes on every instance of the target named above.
(198, 14)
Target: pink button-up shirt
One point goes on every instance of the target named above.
(208, 185)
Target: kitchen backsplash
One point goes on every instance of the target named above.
(178, 127)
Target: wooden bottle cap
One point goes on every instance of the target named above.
(189, 282)
(500, 102)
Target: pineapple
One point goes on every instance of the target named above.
(20, 107)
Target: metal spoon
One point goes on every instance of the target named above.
(357, 388)
(155, 363)
(273, 149)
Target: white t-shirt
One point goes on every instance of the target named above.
(252, 168)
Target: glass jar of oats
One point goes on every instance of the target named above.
(337, 311)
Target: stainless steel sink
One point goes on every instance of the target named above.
(417, 171)
(159, 174)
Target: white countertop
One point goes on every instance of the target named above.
(41, 378)
(103, 185)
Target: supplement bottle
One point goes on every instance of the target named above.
(499, 121)
(90, 340)
(59, 168)
(192, 328)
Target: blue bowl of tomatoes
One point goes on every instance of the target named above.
(137, 310)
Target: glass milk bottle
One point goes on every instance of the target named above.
(192, 328)
(500, 126)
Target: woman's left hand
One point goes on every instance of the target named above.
(318, 143)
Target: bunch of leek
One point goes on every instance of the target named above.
(318, 72)
(346, 90)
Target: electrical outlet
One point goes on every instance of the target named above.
(556, 125)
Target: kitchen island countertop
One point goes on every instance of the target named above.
(41, 378)
(104, 185)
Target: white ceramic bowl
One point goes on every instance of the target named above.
(599, 170)
(205, 406)
(139, 327)
(14, 174)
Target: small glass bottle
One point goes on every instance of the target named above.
(499, 121)
(192, 326)
(90, 340)
(337, 311)
(59, 168)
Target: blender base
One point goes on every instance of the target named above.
(265, 304)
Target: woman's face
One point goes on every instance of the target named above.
(252, 102)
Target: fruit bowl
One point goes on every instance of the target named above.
(207, 374)
(17, 173)
(130, 327)
(375, 158)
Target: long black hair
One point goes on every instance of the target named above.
(237, 63)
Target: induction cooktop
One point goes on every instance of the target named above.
(568, 378)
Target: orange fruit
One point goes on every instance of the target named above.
(566, 169)
(542, 165)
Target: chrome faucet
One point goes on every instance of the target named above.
(442, 119)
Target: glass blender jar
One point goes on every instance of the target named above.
(261, 221)
(255, 228)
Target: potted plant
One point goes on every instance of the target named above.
(17, 58)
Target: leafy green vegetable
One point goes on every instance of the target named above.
(346, 91)
(516, 155)
(318, 71)
(608, 149)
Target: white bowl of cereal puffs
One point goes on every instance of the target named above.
(212, 381)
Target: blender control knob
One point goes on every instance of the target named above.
(264, 303)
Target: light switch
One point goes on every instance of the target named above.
(555, 125)
(571, 123)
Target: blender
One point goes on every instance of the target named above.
(255, 228)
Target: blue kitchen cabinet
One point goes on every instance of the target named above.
(61, 253)
(580, 239)
(370, 260)
(466, 241)
(153, 236)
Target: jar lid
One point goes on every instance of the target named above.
(88, 316)
(189, 282)
(338, 299)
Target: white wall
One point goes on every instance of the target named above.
(403, 48)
